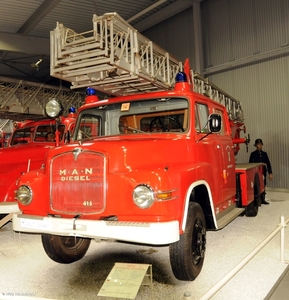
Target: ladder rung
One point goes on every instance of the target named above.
(80, 40)
(85, 55)
(82, 67)
(85, 47)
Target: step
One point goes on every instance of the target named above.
(229, 217)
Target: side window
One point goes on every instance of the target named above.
(201, 117)
(46, 133)
(22, 136)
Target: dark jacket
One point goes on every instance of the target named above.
(261, 156)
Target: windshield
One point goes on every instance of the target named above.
(145, 116)
(42, 133)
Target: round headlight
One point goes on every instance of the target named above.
(24, 194)
(143, 196)
(53, 108)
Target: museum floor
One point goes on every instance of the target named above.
(26, 272)
(280, 290)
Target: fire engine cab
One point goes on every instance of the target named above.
(153, 164)
(26, 149)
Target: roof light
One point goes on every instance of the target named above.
(91, 96)
(72, 110)
(181, 77)
(90, 91)
(182, 84)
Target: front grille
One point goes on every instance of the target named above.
(78, 182)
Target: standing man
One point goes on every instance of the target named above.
(261, 156)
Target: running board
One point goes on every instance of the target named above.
(229, 217)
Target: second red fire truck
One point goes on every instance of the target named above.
(26, 149)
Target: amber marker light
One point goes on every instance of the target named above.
(164, 195)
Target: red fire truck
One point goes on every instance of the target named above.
(6, 129)
(26, 150)
(154, 165)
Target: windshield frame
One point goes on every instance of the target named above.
(111, 114)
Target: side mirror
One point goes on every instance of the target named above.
(215, 123)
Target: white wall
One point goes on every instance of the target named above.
(263, 90)
(246, 53)
(175, 35)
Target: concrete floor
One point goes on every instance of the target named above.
(26, 272)
(280, 290)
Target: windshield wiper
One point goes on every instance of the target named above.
(134, 130)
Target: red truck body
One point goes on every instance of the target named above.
(154, 165)
(26, 151)
(6, 129)
(155, 168)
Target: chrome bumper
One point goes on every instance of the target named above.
(135, 232)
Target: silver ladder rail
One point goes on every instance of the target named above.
(113, 57)
(116, 59)
(24, 97)
(205, 87)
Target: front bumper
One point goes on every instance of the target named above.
(135, 232)
(9, 207)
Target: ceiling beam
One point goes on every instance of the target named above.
(151, 7)
(163, 14)
(244, 61)
(38, 15)
(24, 44)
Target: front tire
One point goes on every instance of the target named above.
(187, 255)
(64, 249)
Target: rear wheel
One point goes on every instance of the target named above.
(64, 249)
(252, 209)
(187, 255)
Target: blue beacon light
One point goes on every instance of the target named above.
(182, 84)
(90, 91)
(72, 110)
(181, 77)
(91, 95)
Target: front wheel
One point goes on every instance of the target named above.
(64, 249)
(188, 254)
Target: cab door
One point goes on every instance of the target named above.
(210, 152)
(228, 159)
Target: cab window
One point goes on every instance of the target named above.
(172, 121)
(201, 117)
(22, 136)
(46, 133)
(88, 126)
